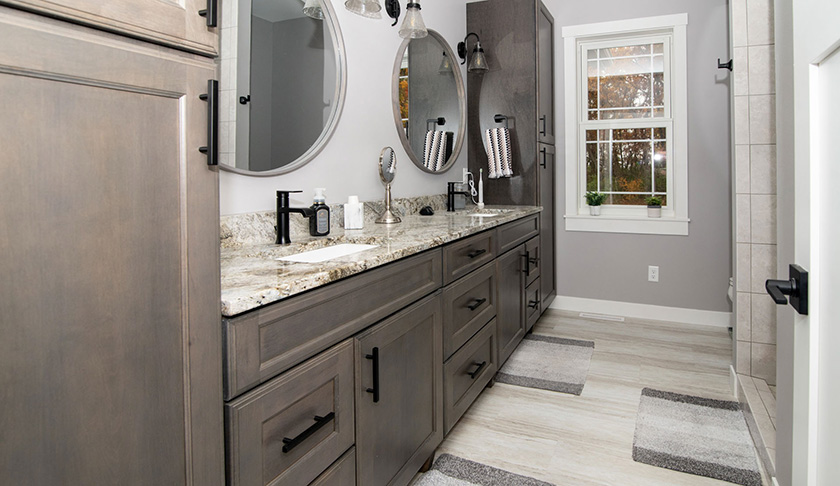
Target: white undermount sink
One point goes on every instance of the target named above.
(485, 215)
(327, 253)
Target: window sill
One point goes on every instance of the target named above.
(640, 225)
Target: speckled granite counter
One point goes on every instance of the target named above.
(253, 277)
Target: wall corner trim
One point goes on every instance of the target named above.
(643, 311)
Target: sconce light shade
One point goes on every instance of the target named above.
(413, 26)
(445, 65)
(478, 63)
(366, 8)
(312, 8)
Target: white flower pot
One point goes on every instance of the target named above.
(654, 211)
(594, 210)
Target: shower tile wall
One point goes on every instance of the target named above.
(754, 88)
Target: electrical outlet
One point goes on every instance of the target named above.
(464, 177)
(653, 274)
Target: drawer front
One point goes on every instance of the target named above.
(464, 256)
(266, 342)
(292, 428)
(467, 373)
(532, 253)
(519, 231)
(533, 303)
(341, 473)
(468, 305)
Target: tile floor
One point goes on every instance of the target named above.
(588, 440)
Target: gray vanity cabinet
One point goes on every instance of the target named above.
(176, 24)
(510, 314)
(110, 356)
(399, 394)
(518, 39)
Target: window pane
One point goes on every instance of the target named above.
(659, 48)
(591, 167)
(659, 89)
(593, 93)
(625, 114)
(660, 161)
(632, 134)
(626, 77)
(592, 135)
(659, 133)
(604, 167)
(625, 51)
(625, 91)
(631, 167)
(592, 54)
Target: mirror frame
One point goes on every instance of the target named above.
(462, 105)
(335, 115)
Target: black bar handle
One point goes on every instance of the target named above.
(374, 356)
(209, 13)
(725, 65)
(544, 154)
(289, 444)
(796, 287)
(527, 256)
(476, 253)
(477, 371)
(543, 121)
(212, 99)
(475, 305)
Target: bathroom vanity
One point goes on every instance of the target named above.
(352, 370)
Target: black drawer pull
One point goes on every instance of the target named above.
(543, 121)
(543, 152)
(289, 444)
(212, 99)
(475, 253)
(374, 355)
(475, 373)
(534, 304)
(534, 261)
(475, 305)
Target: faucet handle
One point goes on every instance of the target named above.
(280, 191)
(283, 198)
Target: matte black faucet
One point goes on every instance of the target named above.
(283, 211)
(450, 195)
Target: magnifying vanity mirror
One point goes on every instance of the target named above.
(430, 108)
(387, 172)
(283, 77)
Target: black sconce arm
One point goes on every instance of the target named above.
(462, 47)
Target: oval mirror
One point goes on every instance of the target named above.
(430, 109)
(283, 77)
(387, 165)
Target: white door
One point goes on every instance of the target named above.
(808, 438)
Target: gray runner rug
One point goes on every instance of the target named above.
(695, 435)
(549, 363)
(449, 470)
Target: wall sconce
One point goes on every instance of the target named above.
(413, 26)
(312, 8)
(478, 63)
(366, 8)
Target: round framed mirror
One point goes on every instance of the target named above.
(430, 107)
(284, 76)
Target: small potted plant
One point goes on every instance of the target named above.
(654, 206)
(595, 200)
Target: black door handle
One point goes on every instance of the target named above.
(289, 444)
(244, 100)
(475, 373)
(542, 120)
(527, 270)
(475, 305)
(209, 13)
(796, 287)
(212, 99)
(544, 153)
(374, 356)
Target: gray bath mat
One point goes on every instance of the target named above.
(450, 470)
(695, 435)
(549, 363)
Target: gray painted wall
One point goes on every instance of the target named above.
(694, 270)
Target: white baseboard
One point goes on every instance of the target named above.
(734, 377)
(643, 311)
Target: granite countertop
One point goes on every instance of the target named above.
(253, 277)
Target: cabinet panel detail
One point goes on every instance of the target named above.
(517, 232)
(467, 373)
(468, 305)
(464, 256)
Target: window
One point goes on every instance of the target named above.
(404, 92)
(626, 124)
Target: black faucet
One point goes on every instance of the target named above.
(283, 211)
(450, 195)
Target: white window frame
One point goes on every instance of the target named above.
(615, 218)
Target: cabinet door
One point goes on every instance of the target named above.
(548, 247)
(510, 310)
(545, 75)
(173, 23)
(399, 394)
(110, 357)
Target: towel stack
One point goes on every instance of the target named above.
(499, 161)
(436, 150)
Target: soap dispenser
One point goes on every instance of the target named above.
(319, 222)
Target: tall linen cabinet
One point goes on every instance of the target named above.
(518, 40)
(110, 357)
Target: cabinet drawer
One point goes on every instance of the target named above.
(263, 343)
(467, 373)
(464, 256)
(533, 304)
(532, 254)
(341, 473)
(512, 234)
(467, 306)
(294, 427)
